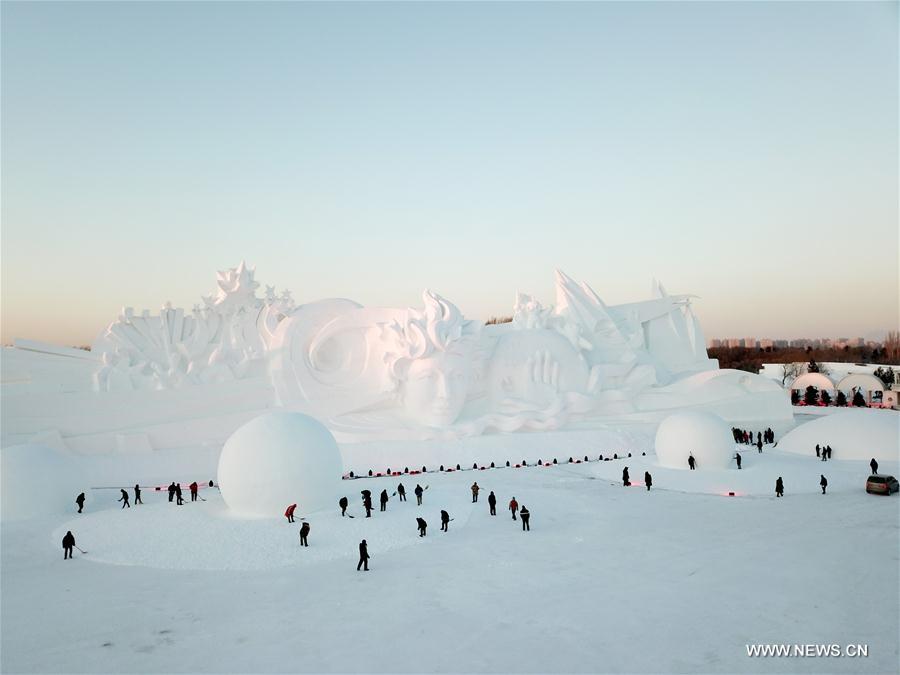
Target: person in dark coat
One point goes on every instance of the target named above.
(401, 492)
(419, 492)
(367, 502)
(304, 533)
(737, 458)
(513, 506)
(289, 513)
(194, 488)
(68, 544)
(759, 438)
(492, 503)
(828, 448)
(626, 480)
(124, 499)
(874, 466)
(824, 483)
(648, 480)
(137, 494)
(384, 500)
(172, 491)
(475, 490)
(445, 521)
(422, 526)
(759, 446)
(178, 498)
(526, 515)
(817, 449)
(363, 556)
(691, 461)
(343, 503)
(779, 487)
(80, 501)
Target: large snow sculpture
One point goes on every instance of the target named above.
(691, 432)
(278, 459)
(381, 373)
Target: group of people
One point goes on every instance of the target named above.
(745, 437)
(648, 479)
(823, 451)
(521, 513)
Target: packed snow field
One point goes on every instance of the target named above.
(609, 579)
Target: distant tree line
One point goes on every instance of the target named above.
(751, 360)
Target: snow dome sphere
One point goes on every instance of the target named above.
(276, 460)
(36, 480)
(691, 432)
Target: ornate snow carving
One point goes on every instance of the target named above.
(224, 340)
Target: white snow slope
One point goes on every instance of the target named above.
(610, 579)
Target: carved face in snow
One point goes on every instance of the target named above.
(435, 389)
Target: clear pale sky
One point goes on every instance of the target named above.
(745, 152)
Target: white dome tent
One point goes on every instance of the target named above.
(870, 386)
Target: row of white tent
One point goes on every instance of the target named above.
(870, 386)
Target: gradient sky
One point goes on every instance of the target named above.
(745, 152)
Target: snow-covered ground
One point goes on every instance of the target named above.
(609, 579)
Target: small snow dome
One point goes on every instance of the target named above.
(276, 460)
(701, 434)
(36, 481)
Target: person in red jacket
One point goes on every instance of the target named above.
(194, 488)
(289, 514)
(513, 506)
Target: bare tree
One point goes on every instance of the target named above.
(790, 370)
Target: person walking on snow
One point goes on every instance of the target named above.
(367, 502)
(817, 449)
(172, 491)
(737, 458)
(401, 492)
(68, 544)
(304, 533)
(513, 506)
(648, 480)
(475, 490)
(343, 503)
(137, 494)
(289, 513)
(874, 466)
(691, 461)
(124, 499)
(626, 479)
(824, 483)
(779, 487)
(445, 521)
(193, 487)
(419, 492)
(363, 556)
(759, 446)
(80, 501)
(422, 526)
(526, 514)
(492, 502)
(384, 500)
(178, 498)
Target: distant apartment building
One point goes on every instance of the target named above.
(750, 343)
(765, 343)
(734, 343)
(780, 344)
(715, 343)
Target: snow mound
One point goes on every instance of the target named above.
(852, 434)
(702, 434)
(278, 459)
(37, 481)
